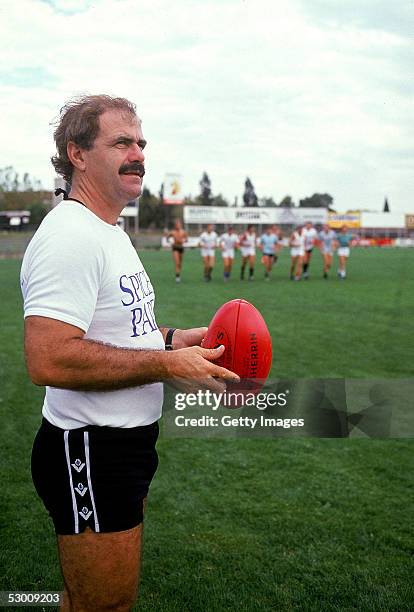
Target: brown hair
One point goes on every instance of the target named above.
(79, 122)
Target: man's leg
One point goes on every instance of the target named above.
(100, 570)
(251, 267)
(298, 274)
(243, 266)
(292, 267)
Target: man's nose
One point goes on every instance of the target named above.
(135, 153)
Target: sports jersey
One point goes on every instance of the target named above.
(327, 238)
(228, 241)
(310, 236)
(297, 240)
(269, 243)
(83, 271)
(208, 240)
(248, 240)
(344, 239)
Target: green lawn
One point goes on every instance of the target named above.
(251, 524)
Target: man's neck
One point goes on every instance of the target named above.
(97, 202)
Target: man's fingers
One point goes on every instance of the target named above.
(218, 371)
(227, 375)
(212, 354)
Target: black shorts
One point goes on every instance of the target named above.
(178, 249)
(271, 255)
(94, 477)
(309, 250)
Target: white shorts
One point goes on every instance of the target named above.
(247, 251)
(228, 254)
(343, 251)
(327, 251)
(207, 252)
(297, 252)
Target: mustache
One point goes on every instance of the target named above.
(134, 167)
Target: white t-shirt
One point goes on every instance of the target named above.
(248, 240)
(208, 240)
(228, 241)
(85, 272)
(310, 236)
(297, 240)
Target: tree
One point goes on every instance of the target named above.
(386, 206)
(267, 202)
(318, 200)
(205, 190)
(287, 202)
(249, 197)
(23, 194)
(161, 193)
(38, 212)
(218, 200)
(151, 212)
(10, 181)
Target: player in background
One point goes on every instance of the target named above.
(311, 236)
(178, 236)
(343, 240)
(247, 243)
(268, 244)
(278, 232)
(228, 242)
(327, 239)
(297, 253)
(208, 243)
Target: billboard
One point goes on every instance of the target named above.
(409, 221)
(173, 190)
(256, 215)
(352, 220)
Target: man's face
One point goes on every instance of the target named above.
(113, 164)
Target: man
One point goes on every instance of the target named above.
(297, 253)
(268, 245)
(248, 251)
(327, 239)
(228, 242)
(344, 239)
(310, 236)
(91, 338)
(208, 243)
(179, 237)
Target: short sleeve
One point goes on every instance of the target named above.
(61, 276)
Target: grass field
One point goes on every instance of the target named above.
(251, 524)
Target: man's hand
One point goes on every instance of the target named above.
(184, 338)
(192, 369)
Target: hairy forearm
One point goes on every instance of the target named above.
(58, 355)
(89, 365)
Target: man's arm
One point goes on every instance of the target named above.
(58, 355)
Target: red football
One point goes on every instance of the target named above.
(241, 328)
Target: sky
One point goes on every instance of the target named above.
(302, 96)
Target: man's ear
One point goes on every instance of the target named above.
(76, 156)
